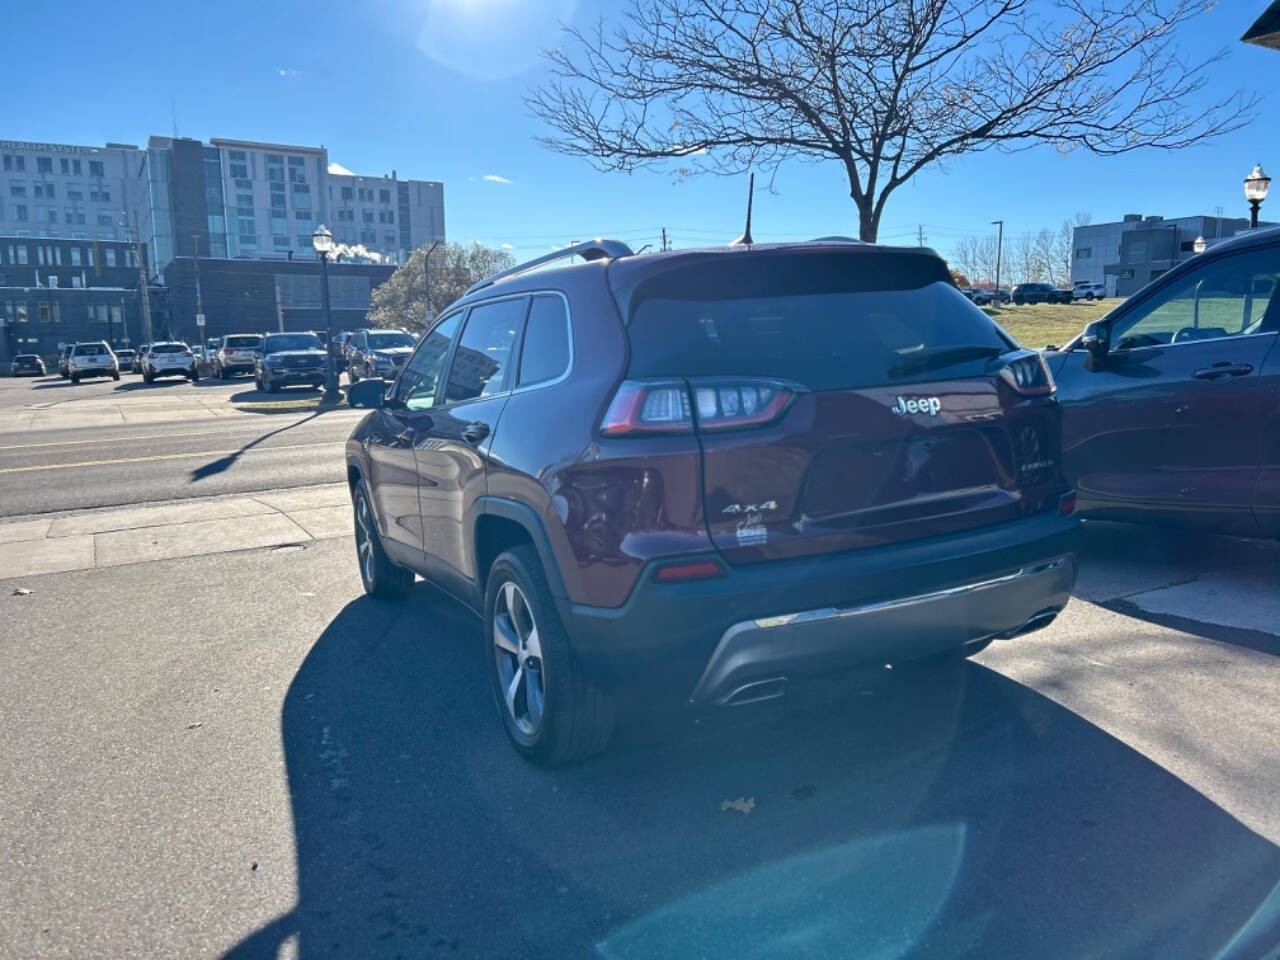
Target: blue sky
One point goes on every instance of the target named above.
(432, 88)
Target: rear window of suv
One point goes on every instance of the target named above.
(168, 348)
(244, 341)
(90, 350)
(826, 321)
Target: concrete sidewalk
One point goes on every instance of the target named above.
(139, 534)
(166, 407)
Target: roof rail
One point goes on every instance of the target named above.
(836, 240)
(597, 249)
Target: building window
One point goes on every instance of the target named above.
(64, 165)
(22, 254)
(280, 243)
(1083, 253)
(40, 215)
(384, 196)
(45, 314)
(8, 161)
(240, 171)
(1136, 253)
(346, 194)
(368, 236)
(89, 255)
(75, 256)
(99, 196)
(79, 217)
(95, 168)
(44, 191)
(304, 240)
(346, 215)
(19, 163)
(302, 215)
(110, 256)
(366, 216)
(17, 189)
(20, 211)
(75, 167)
(74, 192)
(105, 220)
(44, 164)
(244, 199)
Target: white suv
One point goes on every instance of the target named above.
(1086, 290)
(172, 359)
(93, 359)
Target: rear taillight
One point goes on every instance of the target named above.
(151, 356)
(689, 570)
(666, 406)
(1067, 504)
(1028, 375)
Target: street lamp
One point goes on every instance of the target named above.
(1199, 245)
(1256, 186)
(322, 240)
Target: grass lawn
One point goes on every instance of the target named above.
(1042, 324)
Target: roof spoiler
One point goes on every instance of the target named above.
(598, 249)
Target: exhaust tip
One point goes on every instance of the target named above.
(756, 691)
(1037, 622)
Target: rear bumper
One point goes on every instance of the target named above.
(287, 377)
(706, 642)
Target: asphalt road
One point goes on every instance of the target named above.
(43, 471)
(242, 756)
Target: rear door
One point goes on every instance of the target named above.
(452, 453)
(845, 399)
(1170, 424)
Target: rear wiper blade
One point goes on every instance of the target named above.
(931, 358)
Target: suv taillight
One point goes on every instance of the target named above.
(1028, 375)
(675, 406)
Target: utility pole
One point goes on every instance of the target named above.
(195, 260)
(426, 277)
(920, 235)
(143, 296)
(664, 240)
(999, 248)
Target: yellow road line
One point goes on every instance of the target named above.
(162, 456)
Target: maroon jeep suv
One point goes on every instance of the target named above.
(701, 476)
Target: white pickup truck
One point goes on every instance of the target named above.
(1086, 290)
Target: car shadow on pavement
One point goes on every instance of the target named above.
(254, 395)
(947, 812)
(215, 467)
(1121, 561)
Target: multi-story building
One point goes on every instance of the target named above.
(1127, 254)
(65, 190)
(242, 199)
(56, 290)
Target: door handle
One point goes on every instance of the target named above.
(473, 433)
(406, 436)
(1224, 370)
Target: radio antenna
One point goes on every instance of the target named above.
(745, 240)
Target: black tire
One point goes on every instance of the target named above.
(577, 716)
(381, 578)
(352, 376)
(271, 386)
(1018, 301)
(222, 373)
(75, 378)
(148, 378)
(194, 377)
(116, 375)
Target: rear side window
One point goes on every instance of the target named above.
(826, 321)
(545, 354)
(480, 363)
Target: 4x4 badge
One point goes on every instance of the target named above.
(751, 507)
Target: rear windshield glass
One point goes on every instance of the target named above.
(385, 341)
(26, 356)
(168, 348)
(90, 350)
(292, 341)
(827, 321)
(244, 341)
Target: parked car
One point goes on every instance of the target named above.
(64, 361)
(29, 364)
(981, 297)
(172, 358)
(1170, 399)
(290, 358)
(702, 527)
(1039, 293)
(1086, 290)
(237, 353)
(378, 353)
(124, 359)
(92, 359)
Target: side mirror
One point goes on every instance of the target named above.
(1097, 339)
(367, 393)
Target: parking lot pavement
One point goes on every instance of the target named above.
(236, 753)
(191, 528)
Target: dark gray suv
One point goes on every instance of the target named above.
(701, 476)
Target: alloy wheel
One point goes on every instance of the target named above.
(364, 539)
(518, 652)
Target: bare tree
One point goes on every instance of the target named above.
(1064, 250)
(887, 88)
(1045, 258)
(976, 258)
(1026, 260)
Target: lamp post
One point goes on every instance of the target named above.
(426, 277)
(322, 240)
(1198, 245)
(1256, 186)
(999, 248)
